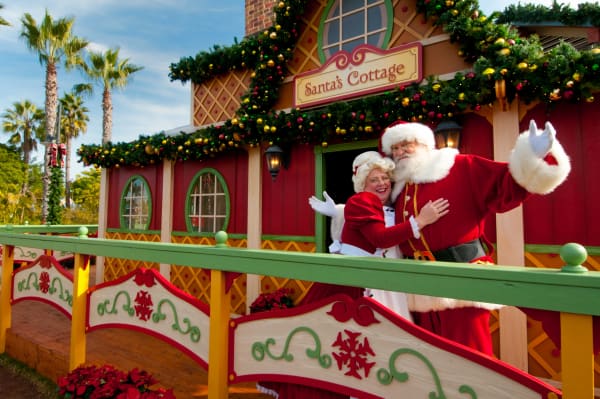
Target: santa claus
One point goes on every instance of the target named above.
(476, 187)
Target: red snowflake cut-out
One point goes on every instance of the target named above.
(143, 305)
(44, 282)
(353, 354)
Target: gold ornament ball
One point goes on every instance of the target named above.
(522, 65)
(405, 102)
(273, 35)
(270, 63)
(577, 76)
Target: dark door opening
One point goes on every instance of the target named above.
(338, 179)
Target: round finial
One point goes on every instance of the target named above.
(221, 238)
(83, 232)
(573, 255)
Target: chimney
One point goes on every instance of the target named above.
(259, 15)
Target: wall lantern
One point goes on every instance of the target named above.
(276, 158)
(447, 134)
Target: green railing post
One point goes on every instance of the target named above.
(81, 280)
(218, 349)
(8, 259)
(577, 355)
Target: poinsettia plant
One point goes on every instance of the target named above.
(104, 382)
(279, 299)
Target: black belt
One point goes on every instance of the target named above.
(461, 253)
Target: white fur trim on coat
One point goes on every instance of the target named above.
(433, 165)
(533, 173)
(426, 303)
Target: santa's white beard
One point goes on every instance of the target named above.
(407, 168)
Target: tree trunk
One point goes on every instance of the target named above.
(51, 103)
(106, 116)
(68, 172)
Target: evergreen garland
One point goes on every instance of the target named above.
(498, 54)
(55, 194)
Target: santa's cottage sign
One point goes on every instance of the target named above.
(364, 71)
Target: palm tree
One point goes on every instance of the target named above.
(2, 20)
(110, 72)
(54, 43)
(73, 121)
(25, 123)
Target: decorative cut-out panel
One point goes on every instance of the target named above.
(44, 280)
(144, 300)
(360, 348)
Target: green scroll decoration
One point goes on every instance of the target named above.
(193, 331)
(386, 377)
(260, 350)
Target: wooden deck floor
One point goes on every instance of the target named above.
(40, 336)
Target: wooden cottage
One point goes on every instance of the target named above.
(320, 80)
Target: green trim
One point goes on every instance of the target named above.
(188, 203)
(287, 238)
(49, 229)
(509, 285)
(555, 249)
(120, 230)
(355, 145)
(122, 219)
(321, 220)
(389, 9)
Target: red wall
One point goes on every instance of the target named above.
(234, 169)
(571, 212)
(285, 200)
(117, 180)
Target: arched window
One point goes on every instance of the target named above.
(136, 204)
(207, 203)
(348, 23)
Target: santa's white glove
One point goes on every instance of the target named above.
(326, 207)
(541, 143)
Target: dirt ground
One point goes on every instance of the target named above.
(20, 383)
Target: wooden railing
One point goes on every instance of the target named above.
(572, 290)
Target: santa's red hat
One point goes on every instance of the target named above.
(406, 131)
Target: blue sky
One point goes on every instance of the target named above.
(152, 34)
